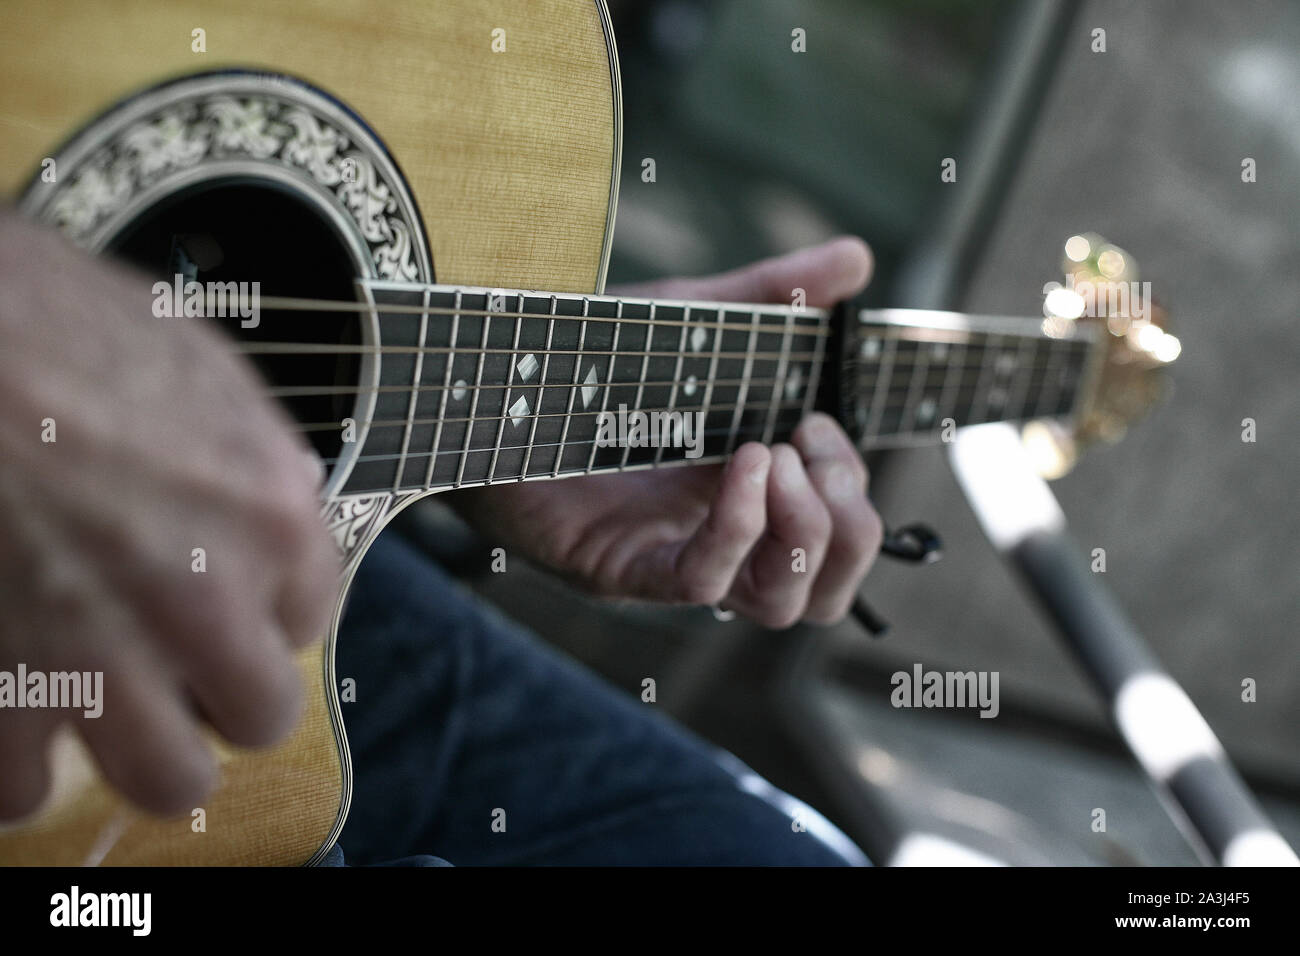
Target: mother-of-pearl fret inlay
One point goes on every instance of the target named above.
(792, 383)
(478, 386)
(589, 384)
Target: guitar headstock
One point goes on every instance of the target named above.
(1102, 287)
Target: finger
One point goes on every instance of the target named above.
(828, 273)
(146, 741)
(242, 673)
(218, 633)
(24, 755)
(702, 570)
(775, 585)
(299, 549)
(836, 471)
(310, 582)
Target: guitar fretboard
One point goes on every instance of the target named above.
(918, 372)
(470, 386)
(477, 385)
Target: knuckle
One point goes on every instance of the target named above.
(263, 708)
(779, 617)
(830, 611)
(703, 591)
(820, 523)
(735, 525)
(211, 604)
(168, 783)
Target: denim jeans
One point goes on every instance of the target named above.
(473, 743)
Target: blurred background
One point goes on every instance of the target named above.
(759, 150)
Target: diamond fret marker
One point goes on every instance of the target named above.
(997, 398)
(527, 367)
(940, 350)
(870, 347)
(460, 389)
(1006, 363)
(925, 412)
(518, 410)
(794, 382)
(698, 338)
(589, 388)
(691, 383)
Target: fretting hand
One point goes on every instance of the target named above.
(716, 534)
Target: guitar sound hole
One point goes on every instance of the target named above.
(245, 232)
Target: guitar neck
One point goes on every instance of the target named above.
(471, 386)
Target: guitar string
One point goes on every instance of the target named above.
(870, 378)
(896, 398)
(898, 391)
(718, 324)
(819, 316)
(318, 348)
(587, 443)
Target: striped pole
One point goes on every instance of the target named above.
(1163, 729)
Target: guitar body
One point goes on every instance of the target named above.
(473, 165)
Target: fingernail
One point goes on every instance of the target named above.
(314, 467)
(818, 433)
(758, 474)
(841, 483)
(789, 472)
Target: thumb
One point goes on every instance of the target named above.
(828, 273)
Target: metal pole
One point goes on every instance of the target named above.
(1174, 745)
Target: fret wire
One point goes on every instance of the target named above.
(275, 304)
(915, 380)
(415, 396)
(677, 376)
(473, 407)
(877, 397)
(706, 404)
(815, 375)
(640, 389)
(950, 404)
(505, 391)
(541, 386)
(782, 368)
(1051, 382)
(744, 384)
(609, 379)
(573, 391)
(1025, 371)
(980, 399)
(442, 409)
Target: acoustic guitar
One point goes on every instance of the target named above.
(399, 180)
